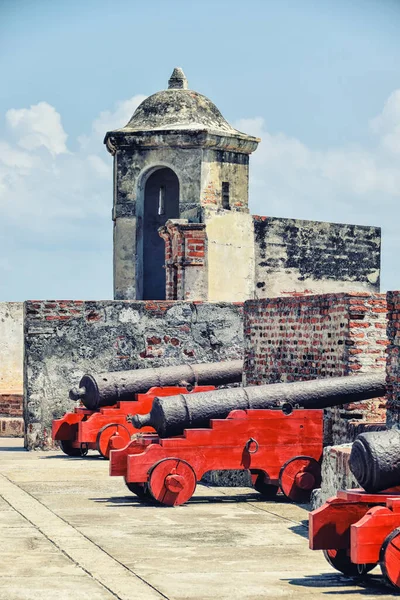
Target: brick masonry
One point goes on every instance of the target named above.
(11, 405)
(310, 337)
(11, 421)
(65, 339)
(185, 260)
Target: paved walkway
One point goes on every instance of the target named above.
(68, 531)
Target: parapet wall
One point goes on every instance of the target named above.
(311, 337)
(313, 257)
(65, 339)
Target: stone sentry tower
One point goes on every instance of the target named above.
(177, 158)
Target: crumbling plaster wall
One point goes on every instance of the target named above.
(11, 369)
(65, 339)
(11, 346)
(312, 257)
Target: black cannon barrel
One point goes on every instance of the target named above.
(375, 460)
(106, 389)
(181, 412)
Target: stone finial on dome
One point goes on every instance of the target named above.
(178, 80)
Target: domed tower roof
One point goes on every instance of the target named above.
(178, 109)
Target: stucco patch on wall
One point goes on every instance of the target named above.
(11, 347)
(230, 256)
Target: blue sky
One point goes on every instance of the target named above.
(318, 80)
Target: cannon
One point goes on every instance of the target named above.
(106, 389)
(360, 528)
(82, 430)
(261, 429)
(171, 417)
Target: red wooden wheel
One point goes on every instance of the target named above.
(298, 477)
(140, 489)
(340, 560)
(389, 558)
(172, 481)
(268, 490)
(120, 435)
(68, 449)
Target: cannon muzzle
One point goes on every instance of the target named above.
(375, 460)
(171, 416)
(106, 389)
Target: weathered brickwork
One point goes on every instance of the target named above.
(301, 338)
(393, 359)
(65, 339)
(311, 257)
(11, 405)
(185, 260)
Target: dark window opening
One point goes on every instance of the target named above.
(161, 202)
(225, 195)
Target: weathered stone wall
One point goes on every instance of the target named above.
(231, 167)
(336, 474)
(310, 337)
(310, 257)
(266, 257)
(65, 339)
(393, 360)
(11, 369)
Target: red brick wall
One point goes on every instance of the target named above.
(301, 338)
(185, 260)
(11, 405)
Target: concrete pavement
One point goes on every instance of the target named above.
(68, 531)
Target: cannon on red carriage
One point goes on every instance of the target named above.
(259, 429)
(108, 398)
(359, 529)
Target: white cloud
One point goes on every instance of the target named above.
(353, 184)
(55, 204)
(38, 126)
(109, 120)
(387, 124)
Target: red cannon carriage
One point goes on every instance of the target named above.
(280, 451)
(357, 530)
(360, 528)
(85, 429)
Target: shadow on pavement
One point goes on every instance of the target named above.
(372, 585)
(64, 457)
(301, 529)
(135, 501)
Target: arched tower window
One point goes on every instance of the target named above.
(161, 202)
